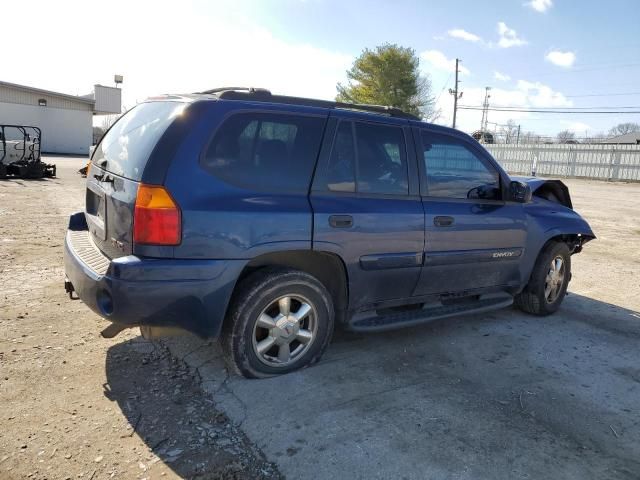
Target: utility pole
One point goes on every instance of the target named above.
(485, 111)
(518, 137)
(456, 95)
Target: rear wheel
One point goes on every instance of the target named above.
(279, 320)
(549, 280)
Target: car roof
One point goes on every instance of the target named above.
(251, 94)
(254, 96)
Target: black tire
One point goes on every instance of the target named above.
(256, 293)
(533, 299)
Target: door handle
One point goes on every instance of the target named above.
(341, 221)
(443, 221)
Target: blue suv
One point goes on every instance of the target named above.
(264, 220)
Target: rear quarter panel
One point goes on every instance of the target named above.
(220, 220)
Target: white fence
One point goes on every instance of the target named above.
(604, 162)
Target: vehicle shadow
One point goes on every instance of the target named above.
(166, 408)
(505, 382)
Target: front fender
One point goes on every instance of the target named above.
(548, 220)
(562, 221)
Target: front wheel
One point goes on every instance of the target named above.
(279, 320)
(549, 280)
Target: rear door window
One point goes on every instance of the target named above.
(265, 151)
(374, 163)
(341, 176)
(125, 148)
(382, 160)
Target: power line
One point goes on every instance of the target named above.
(444, 87)
(582, 112)
(508, 107)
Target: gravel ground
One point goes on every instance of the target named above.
(502, 395)
(75, 405)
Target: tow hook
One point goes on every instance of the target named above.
(68, 287)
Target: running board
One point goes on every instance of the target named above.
(365, 322)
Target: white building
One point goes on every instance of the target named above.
(66, 121)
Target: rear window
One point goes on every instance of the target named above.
(125, 148)
(265, 151)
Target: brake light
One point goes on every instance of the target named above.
(156, 219)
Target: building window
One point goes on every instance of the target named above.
(42, 102)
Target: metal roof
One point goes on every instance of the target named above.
(632, 138)
(41, 91)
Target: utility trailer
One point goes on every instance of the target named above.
(20, 153)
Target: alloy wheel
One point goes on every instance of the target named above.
(285, 330)
(554, 280)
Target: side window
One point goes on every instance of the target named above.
(455, 171)
(265, 151)
(341, 175)
(382, 160)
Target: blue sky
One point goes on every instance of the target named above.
(602, 36)
(545, 53)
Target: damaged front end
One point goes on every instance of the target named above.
(551, 190)
(552, 215)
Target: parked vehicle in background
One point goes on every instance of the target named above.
(264, 220)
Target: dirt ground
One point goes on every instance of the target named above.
(77, 406)
(502, 395)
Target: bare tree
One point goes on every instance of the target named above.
(509, 131)
(566, 136)
(107, 121)
(624, 128)
(530, 138)
(596, 137)
(98, 132)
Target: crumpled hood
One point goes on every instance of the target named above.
(556, 187)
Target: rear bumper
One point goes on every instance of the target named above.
(133, 291)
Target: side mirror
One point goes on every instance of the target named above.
(520, 192)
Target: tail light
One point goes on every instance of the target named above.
(156, 219)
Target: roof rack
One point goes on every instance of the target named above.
(236, 89)
(264, 95)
